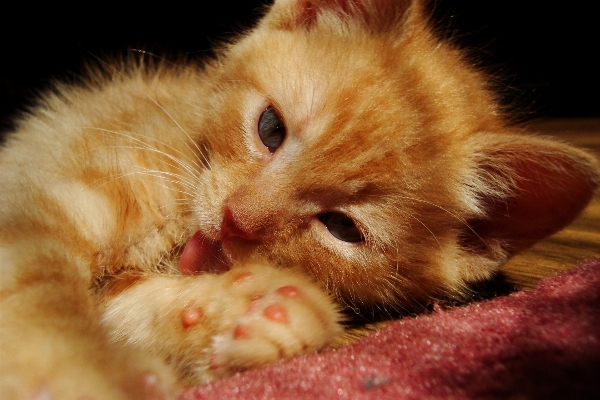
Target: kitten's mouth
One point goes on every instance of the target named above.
(202, 254)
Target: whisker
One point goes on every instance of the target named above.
(180, 127)
(147, 146)
(424, 225)
(178, 179)
(153, 100)
(457, 217)
(144, 52)
(123, 175)
(189, 182)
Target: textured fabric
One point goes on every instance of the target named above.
(531, 345)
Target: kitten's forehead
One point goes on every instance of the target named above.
(323, 85)
(354, 119)
(333, 101)
(304, 71)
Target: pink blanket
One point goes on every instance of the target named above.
(529, 345)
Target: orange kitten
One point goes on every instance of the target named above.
(336, 151)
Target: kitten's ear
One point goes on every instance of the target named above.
(529, 188)
(378, 15)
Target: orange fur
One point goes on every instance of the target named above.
(104, 183)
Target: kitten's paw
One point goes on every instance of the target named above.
(208, 326)
(75, 368)
(278, 315)
(143, 385)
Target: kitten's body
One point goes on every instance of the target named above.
(106, 185)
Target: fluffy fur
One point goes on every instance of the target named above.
(106, 184)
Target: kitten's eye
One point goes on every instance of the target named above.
(341, 227)
(271, 129)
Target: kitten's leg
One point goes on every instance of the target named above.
(210, 326)
(52, 345)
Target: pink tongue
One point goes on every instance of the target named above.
(200, 255)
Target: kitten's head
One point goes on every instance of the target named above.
(346, 140)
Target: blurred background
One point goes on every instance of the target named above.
(544, 53)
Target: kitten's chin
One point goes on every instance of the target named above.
(202, 254)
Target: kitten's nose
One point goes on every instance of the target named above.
(231, 228)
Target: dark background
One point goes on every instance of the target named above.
(544, 53)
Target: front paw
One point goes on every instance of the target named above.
(276, 315)
(209, 326)
(52, 366)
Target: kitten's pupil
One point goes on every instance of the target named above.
(271, 129)
(341, 227)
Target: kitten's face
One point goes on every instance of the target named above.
(328, 154)
(353, 145)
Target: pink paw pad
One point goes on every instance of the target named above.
(241, 332)
(289, 291)
(152, 386)
(146, 385)
(191, 316)
(276, 313)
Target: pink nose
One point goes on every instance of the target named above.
(231, 228)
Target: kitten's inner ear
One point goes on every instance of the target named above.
(379, 15)
(548, 184)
